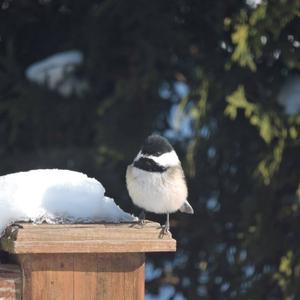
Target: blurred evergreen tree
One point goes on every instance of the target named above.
(209, 75)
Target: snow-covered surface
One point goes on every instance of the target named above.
(56, 196)
(289, 96)
(57, 72)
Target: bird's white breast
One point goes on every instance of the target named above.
(157, 192)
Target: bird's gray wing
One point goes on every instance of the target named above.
(186, 208)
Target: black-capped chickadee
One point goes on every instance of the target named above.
(155, 180)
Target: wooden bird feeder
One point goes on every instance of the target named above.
(81, 261)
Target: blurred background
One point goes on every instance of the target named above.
(83, 82)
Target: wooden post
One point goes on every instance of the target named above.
(10, 282)
(84, 261)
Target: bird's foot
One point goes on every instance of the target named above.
(165, 230)
(142, 218)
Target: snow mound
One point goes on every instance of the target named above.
(56, 196)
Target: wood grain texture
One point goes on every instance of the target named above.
(124, 273)
(87, 238)
(47, 276)
(84, 261)
(10, 282)
(83, 276)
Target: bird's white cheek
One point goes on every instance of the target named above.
(169, 159)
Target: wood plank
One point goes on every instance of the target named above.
(87, 238)
(85, 261)
(129, 280)
(139, 290)
(10, 282)
(135, 277)
(25, 263)
(69, 232)
(93, 246)
(119, 264)
(85, 277)
(89, 234)
(48, 276)
(147, 224)
(120, 275)
(104, 266)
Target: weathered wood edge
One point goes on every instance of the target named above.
(91, 247)
(10, 282)
(130, 242)
(10, 269)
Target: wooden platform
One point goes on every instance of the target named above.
(87, 238)
(84, 261)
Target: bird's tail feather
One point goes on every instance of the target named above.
(186, 208)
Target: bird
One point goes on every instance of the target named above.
(156, 182)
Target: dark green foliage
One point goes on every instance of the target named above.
(241, 155)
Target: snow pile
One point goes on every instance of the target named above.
(57, 73)
(56, 196)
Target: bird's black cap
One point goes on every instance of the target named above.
(156, 145)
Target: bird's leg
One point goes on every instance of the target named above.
(166, 228)
(142, 217)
